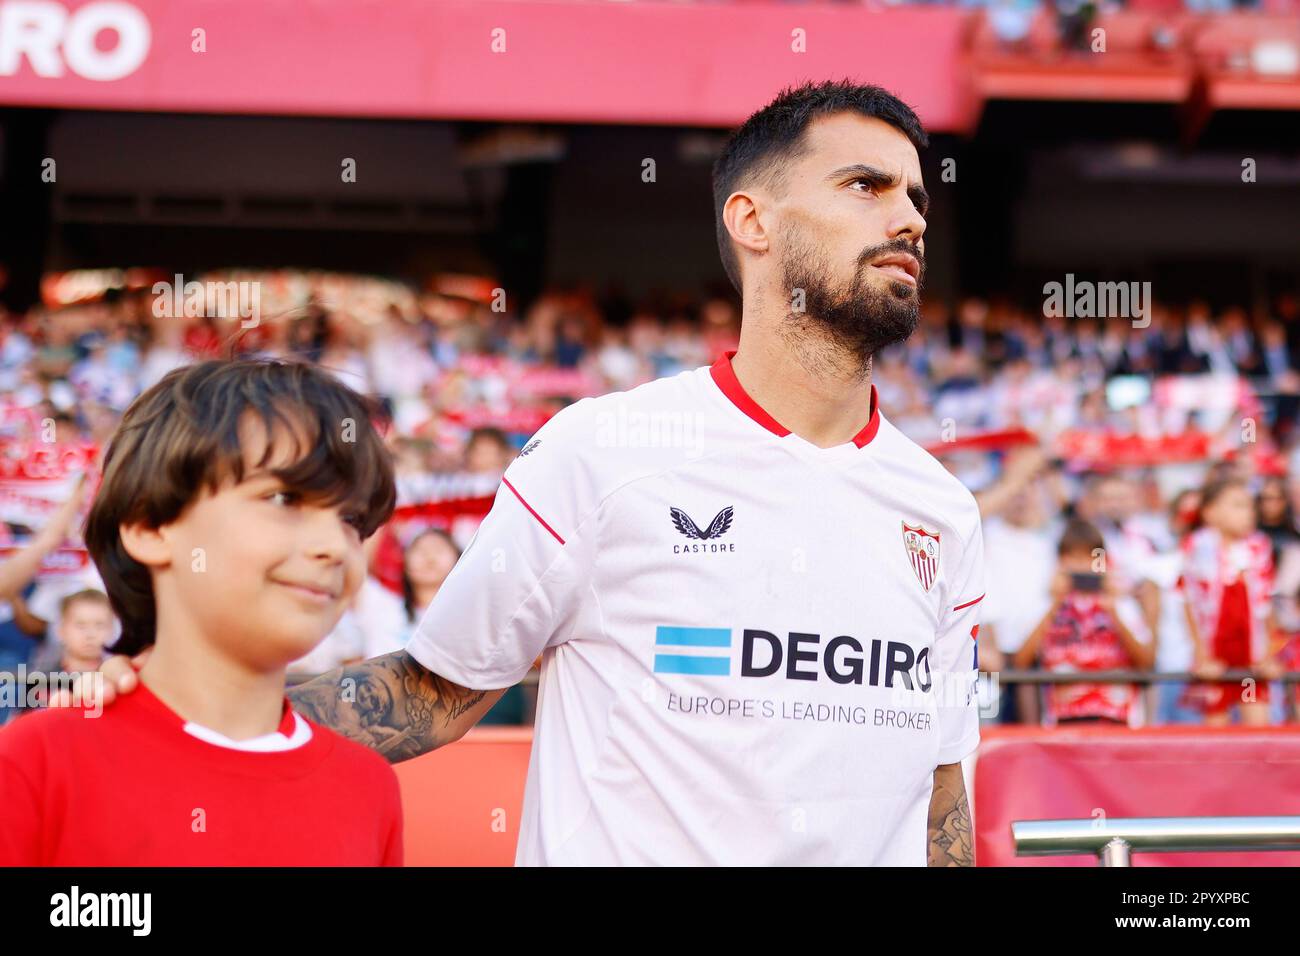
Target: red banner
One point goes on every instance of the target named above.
(57, 563)
(688, 64)
(38, 461)
(1104, 450)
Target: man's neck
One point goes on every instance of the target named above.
(208, 688)
(809, 386)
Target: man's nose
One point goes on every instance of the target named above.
(907, 222)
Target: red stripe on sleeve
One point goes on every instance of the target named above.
(969, 603)
(506, 482)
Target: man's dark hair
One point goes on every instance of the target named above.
(182, 436)
(761, 149)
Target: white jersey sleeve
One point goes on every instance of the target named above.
(956, 657)
(516, 589)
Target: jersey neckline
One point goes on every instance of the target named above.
(724, 376)
(292, 762)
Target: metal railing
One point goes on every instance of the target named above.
(1135, 677)
(1011, 676)
(1114, 841)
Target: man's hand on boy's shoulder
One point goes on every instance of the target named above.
(118, 676)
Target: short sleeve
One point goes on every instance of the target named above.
(956, 660)
(516, 589)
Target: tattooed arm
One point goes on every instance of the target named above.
(950, 836)
(393, 705)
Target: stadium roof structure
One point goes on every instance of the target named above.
(1197, 62)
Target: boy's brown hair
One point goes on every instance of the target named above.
(182, 436)
(87, 596)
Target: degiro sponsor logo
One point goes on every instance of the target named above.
(709, 652)
(711, 664)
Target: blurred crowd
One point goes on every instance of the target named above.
(1135, 478)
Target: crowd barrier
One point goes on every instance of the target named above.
(1101, 773)
(462, 803)
(1114, 840)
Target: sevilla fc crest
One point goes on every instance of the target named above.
(923, 551)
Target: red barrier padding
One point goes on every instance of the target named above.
(462, 803)
(1029, 773)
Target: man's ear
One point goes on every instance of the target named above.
(145, 544)
(741, 216)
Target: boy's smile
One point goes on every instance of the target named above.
(254, 569)
(316, 593)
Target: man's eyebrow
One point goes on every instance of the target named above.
(883, 180)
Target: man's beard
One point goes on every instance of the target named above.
(856, 321)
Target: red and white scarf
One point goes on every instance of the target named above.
(1209, 566)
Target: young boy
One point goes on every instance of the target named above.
(228, 531)
(85, 628)
(1083, 631)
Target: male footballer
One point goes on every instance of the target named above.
(755, 601)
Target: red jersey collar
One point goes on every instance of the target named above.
(725, 377)
(288, 722)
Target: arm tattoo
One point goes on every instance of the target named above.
(391, 704)
(950, 830)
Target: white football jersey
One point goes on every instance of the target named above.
(753, 650)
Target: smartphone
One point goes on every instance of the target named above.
(1086, 582)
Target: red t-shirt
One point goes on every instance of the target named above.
(1082, 637)
(132, 787)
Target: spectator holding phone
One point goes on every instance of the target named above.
(1084, 630)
